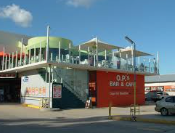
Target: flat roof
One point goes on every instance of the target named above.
(160, 78)
(11, 40)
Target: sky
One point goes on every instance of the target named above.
(149, 23)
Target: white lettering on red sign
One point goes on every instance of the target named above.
(122, 80)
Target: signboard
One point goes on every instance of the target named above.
(121, 80)
(57, 91)
(25, 79)
(10, 75)
(118, 88)
(170, 88)
(35, 91)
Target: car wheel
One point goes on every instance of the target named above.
(164, 111)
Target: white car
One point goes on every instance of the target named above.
(166, 106)
(155, 95)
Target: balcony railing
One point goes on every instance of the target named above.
(14, 60)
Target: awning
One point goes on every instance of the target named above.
(2, 53)
(93, 43)
(127, 53)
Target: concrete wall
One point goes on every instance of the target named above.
(75, 85)
(34, 87)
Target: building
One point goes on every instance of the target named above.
(164, 83)
(52, 72)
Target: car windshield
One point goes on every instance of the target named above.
(160, 93)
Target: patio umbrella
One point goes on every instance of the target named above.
(96, 43)
(128, 51)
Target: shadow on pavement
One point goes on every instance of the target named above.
(79, 125)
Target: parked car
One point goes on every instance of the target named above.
(155, 95)
(166, 106)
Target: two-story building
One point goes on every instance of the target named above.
(52, 72)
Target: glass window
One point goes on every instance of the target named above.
(169, 99)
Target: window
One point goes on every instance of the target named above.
(169, 99)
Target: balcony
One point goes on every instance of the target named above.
(87, 55)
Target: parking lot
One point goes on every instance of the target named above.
(16, 118)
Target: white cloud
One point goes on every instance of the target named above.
(80, 3)
(16, 14)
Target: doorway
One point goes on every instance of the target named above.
(93, 87)
(10, 90)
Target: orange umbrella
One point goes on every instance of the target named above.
(2, 53)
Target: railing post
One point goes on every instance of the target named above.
(59, 51)
(16, 63)
(3, 59)
(29, 55)
(34, 54)
(25, 62)
(149, 65)
(97, 51)
(51, 57)
(40, 52)
(6, 62)
(21, 51)
(12, 59)
(79, 48)
(9, 66)
(127, 62)
(88, 56)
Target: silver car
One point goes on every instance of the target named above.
(166, 106)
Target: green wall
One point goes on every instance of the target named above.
(53, 42)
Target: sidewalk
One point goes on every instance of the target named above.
(147, 114)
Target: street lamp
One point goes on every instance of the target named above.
(134, 66)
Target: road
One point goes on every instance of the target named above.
(18, 119)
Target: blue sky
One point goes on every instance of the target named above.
(150, 23)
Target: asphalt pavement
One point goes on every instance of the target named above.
(18, 119)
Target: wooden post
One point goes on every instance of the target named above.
(110, 106)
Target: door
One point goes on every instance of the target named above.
(170, 104)
(93, 88)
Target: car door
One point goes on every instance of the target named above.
(170, 104)
(173, 110)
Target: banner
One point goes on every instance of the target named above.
(57, 91)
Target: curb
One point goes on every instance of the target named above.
(31, 106)
(141, 119)
(50, 109)
(40, 108)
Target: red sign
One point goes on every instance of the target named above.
(57, 91)
(118, 89)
